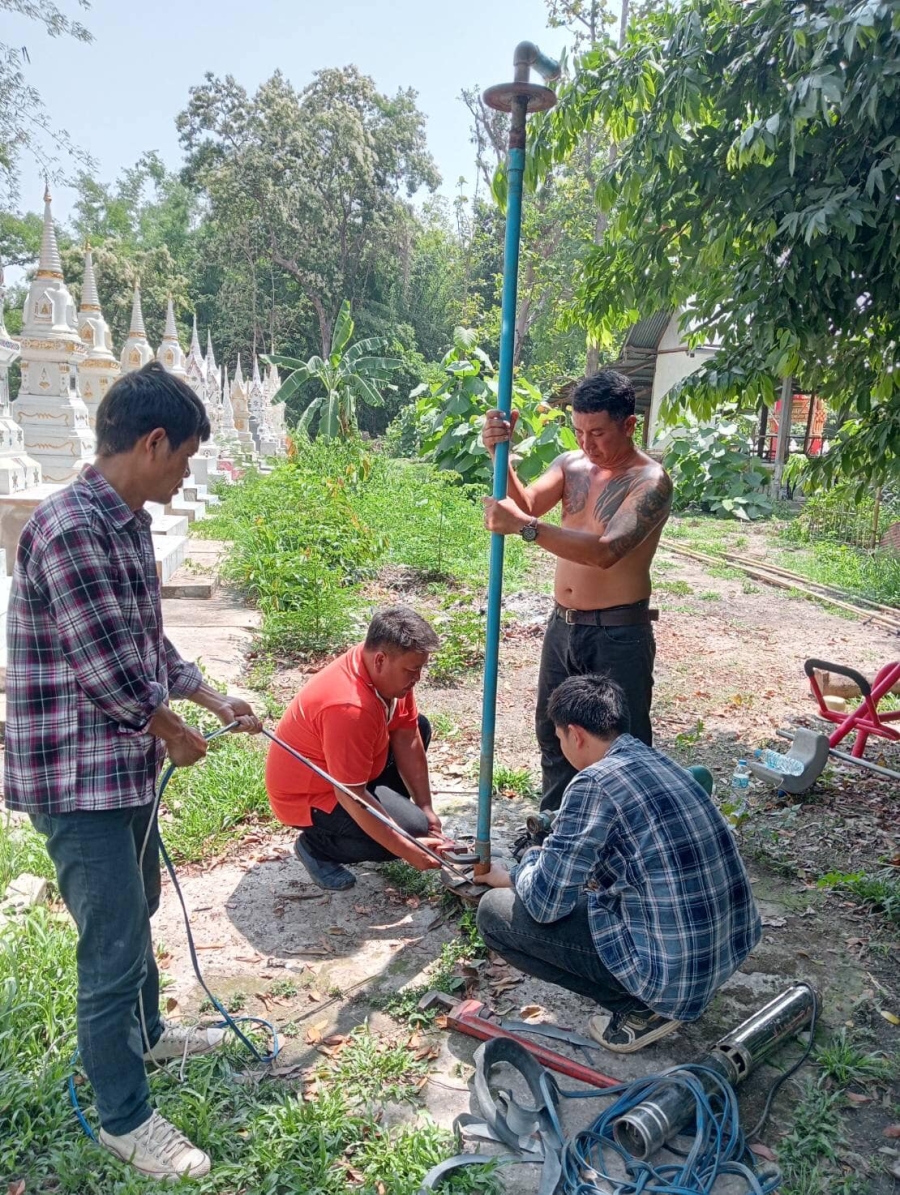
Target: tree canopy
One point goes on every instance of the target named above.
(755, 187)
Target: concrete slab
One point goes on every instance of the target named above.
(169, 552)
(216, 632)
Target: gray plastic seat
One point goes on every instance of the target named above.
(811, 748)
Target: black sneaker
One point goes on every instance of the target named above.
(526, 841)
(628, 1032)
(333, 876)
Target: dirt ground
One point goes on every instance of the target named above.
(729, 673)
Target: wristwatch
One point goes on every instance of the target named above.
(529, 531)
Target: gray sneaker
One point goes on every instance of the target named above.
(184, 1041)
(156, 1148)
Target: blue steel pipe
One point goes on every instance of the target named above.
(515, 98)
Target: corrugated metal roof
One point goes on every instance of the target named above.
(647, 333)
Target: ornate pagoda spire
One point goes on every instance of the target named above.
(227, 430)
(136, 351)
(195, 368)
(170, 354)
(99, 369)
(50, 263)
(49, 407)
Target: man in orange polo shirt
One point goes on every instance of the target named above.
(357, 720)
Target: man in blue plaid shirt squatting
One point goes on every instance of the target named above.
(89, 680)
(638, 899)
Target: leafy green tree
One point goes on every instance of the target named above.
(25, 125)
(314, 185)
(755, 187)
(451, 409)
(350, 373)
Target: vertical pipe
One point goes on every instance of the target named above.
(515, 170)
(783, 438)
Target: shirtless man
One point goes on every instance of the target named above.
(615, 501)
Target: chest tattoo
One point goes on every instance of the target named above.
(611, 498)
(578, 483)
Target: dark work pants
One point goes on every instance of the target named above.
(625, 654)
(562, 952)
(111, 900)
(336, 838)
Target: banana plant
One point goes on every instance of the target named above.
(351, 373)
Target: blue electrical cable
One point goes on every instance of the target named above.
(228, 1021)
(719, 1146)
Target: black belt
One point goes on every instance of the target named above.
(619, 616)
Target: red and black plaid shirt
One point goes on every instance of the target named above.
(88, 662)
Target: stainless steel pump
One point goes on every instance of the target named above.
(648, 1126)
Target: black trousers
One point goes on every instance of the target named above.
(336, 838)
(625, 654)
(561, 952)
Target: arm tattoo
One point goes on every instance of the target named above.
(611, 498)
(576, 484)
(651, 508)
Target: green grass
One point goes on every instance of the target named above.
(443, 976)
(726, 572)
(678, 588)
(408, 880)
(513, 782)
(210, 804)
(880, 891)
(22, 850)
(263, 1137)
(305, 539)
(444, 725)
(710, 595)
(872, 575)
(844, 1060)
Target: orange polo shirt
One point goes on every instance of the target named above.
(339, 722)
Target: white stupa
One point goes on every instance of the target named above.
(49, 407)
(240, 408)
(18, 471)
(170, 354)
(99, 369)
(228, 433)
(195, 367)
(136, 351)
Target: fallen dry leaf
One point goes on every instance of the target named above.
(855, 1097)
(440, 1022)
(892, 1131)
(762, 1151)
(171, 1004)
(335, 1039)
(775, 922)
(890, 1017)
(337, 930)
(531, 1012)
(16, 1187)
(314, 995)
(363, 910)
(313, 1035)
(380, 1188)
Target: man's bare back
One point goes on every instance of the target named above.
(591, 497)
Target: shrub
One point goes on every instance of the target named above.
(451, 414)
(712, 469)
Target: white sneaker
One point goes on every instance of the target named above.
(156, 1148)
(181, 1041)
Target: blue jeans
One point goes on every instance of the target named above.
(111, 900)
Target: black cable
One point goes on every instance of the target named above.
(792, 1070)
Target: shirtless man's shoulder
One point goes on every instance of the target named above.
(645, 479)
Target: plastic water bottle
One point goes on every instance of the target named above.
(776, 762)
(737, 807)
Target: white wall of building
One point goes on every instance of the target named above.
(674, 362)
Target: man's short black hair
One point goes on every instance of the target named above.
(595, 703)
(399, 629)
(605, 391)
(141, 401)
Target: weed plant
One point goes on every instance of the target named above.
(513, 782)
(880, 891)
(444, 976)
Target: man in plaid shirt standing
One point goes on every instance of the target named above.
(89, 679)
(638, 899)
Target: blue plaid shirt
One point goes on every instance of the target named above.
(670, 906)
